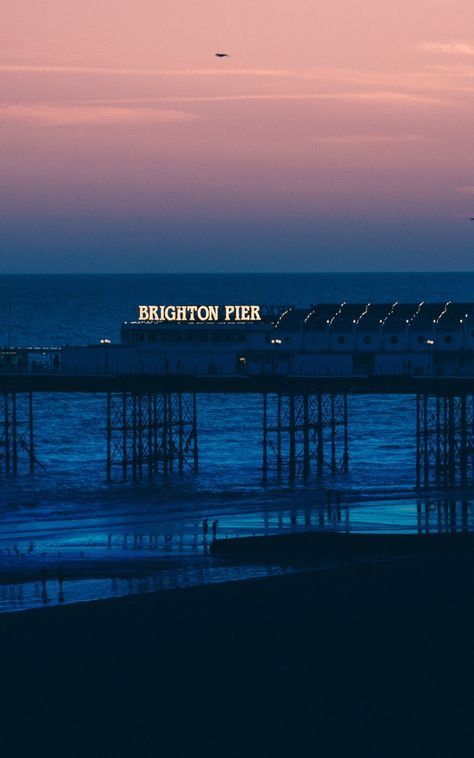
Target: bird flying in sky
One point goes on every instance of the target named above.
(222, 55)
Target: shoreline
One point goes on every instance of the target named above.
(69, 579)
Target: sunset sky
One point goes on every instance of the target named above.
(338, 136)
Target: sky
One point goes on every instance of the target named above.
(337, 135)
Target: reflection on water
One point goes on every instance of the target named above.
(90, 560)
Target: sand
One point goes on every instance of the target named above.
(371, 659)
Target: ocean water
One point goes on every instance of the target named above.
(66, 514)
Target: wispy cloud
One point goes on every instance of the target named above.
(336, 82)
(365, 139)
(368, 95)
(84, 115)
(448, 48)
(469, 190)
(219, 70)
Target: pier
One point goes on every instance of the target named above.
(304, 364)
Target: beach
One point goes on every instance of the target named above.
(373, 658)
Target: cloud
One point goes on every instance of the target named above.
(368, 95)
(469, 190)
(448, 48)
(365, 139)
(219, 70)
(90, 115)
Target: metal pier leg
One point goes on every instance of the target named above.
(195, 438)
(418, 440)
(31, 449)
(438, 441)
(155, 435)
(305, 436)
(181, 432)
(124, 436)
(140, 435)
(320, 452)
(292, 461)
(14, 435)
(170, 432)
(264, 440)
(134, 437)
(165, 433)
(426, 462)
(279, 458)
(109, 441)
(7, 434)
(463, 441)
(445, 440)
(150, 434)
(345, 460)
(333, 436)
(451, 449)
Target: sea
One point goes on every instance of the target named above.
(68, 535)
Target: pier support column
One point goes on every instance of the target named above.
(320, 426)
(109, 440)
(148, 432)
(264, 440)
(444, 439)
(295, 426)
(16, 433)
(306, 450)
(292, 434)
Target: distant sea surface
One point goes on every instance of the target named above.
(66, 509)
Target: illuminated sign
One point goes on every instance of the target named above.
(199, 313)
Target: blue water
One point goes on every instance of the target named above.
(66, 511)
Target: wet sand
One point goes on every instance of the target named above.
(370, 659)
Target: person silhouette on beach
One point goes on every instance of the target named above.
(205, 528)
(214, 529)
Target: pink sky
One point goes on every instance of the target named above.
(351, 117)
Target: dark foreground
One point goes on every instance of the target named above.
(372, 659)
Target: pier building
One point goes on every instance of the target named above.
(328, 339)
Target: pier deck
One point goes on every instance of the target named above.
(266, 383)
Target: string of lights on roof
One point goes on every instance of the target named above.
(437, 320)
(329, 321)
(310, 314)
(390, 313)
(409, 320)
(282, 315)
(364, 313)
